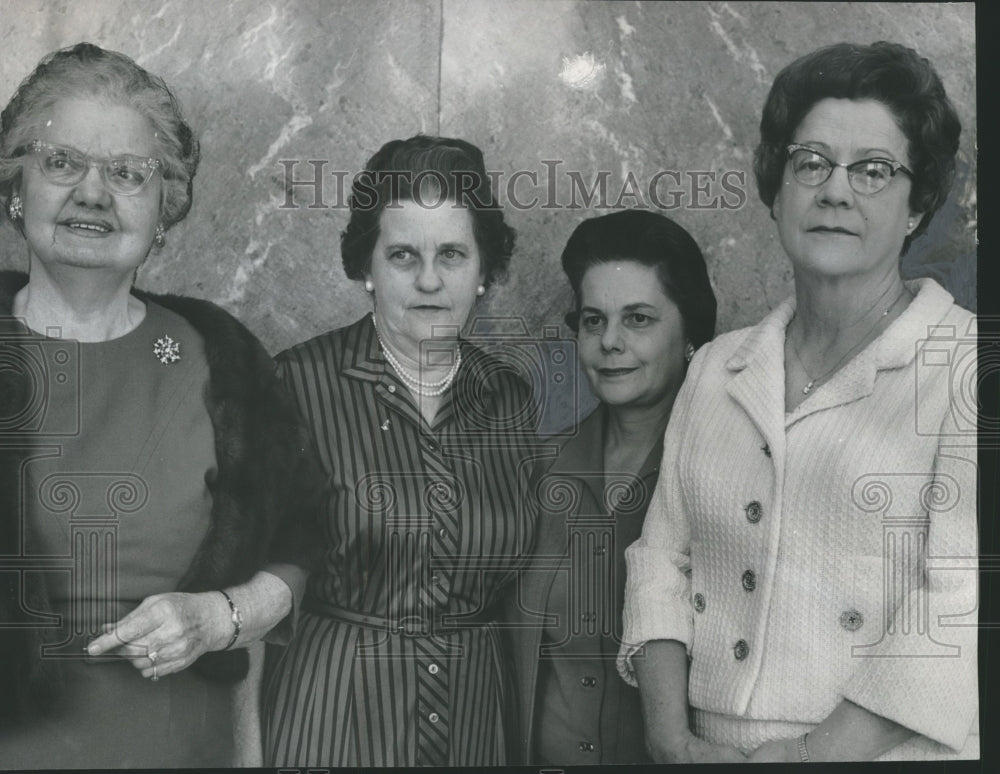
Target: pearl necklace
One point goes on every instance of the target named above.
(426, 389)
(812, 380)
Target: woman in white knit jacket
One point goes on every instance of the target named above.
(806, 576)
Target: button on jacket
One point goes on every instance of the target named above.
(572, 708)
(870, 483)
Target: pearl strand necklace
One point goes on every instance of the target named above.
(426, 389)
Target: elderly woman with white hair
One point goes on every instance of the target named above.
(151, 471)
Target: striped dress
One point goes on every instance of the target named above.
(396, 660)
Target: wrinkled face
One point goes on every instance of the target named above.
(426, 270)
(85, 225)
(631, 335)
(830, 229)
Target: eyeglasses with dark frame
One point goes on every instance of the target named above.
(125, 175)
(866, 177)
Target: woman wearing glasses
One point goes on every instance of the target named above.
(806, 577)
(148, 452)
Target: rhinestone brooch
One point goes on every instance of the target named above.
(167, 350)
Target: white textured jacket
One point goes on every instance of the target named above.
(825, 553)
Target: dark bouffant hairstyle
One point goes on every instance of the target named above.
(86, 71)
(434, 171)
(889, 73)
(650, 239)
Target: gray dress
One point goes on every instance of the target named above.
(117, 507)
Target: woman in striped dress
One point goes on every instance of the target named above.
(396, 660)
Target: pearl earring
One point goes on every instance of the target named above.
(481, 290)
(369, 286)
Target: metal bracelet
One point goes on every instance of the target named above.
(803, 751)
(236, 617)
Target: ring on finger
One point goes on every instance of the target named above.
(156, 677)
(152, 656)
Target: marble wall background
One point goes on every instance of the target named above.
(612, 88)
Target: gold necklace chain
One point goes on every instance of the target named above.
(822, 377)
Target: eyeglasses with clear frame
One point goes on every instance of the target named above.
(125, 175)
(866, 177)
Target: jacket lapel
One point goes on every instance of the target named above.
(758, 382)
(582, 457)
(578, 466)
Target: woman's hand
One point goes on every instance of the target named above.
(777, 751)
(690, 749)
(662, 677)
(168, 632)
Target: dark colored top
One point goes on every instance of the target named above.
(422, 531)
(573, 708)
(119, 503)
(262, 486)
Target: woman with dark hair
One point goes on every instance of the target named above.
(806, 575)
(644, 304)
(397, 661)
(149, 459)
